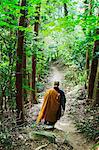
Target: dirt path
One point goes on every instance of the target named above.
(65, 124)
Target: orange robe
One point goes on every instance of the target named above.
(50, 106)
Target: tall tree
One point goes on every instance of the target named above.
(97, 88)
(36, 30)
(24, 63)
(24, 75)
(19, 66)
(87, 51)
(94, 66)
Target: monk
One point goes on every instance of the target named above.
(51, 108)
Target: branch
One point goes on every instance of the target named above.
(40, 147)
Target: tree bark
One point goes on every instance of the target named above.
(87, 51)
(65, 9)
(20, 44)
(1, 98)
(33, 78)
(24, 62)
(96, 88)
(97, 91)
(36, 30)
(24, 76)
(87, 63)
(93, 69)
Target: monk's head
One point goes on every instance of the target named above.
(56, 83)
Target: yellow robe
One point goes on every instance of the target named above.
(50, 106)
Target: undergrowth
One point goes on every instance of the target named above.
(89, 125)
(5, 139)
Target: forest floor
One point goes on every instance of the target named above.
(65, 135)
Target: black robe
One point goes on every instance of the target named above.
(62, 102)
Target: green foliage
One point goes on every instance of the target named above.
(73, 76)
(9, 10)
(39, 86)
(79, 52)
(41, 134)
(95, 147)
(5, 139)
(89, 124)
(60, 37)
(89, 128)
(7, 65)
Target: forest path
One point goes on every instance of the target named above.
(66, 124)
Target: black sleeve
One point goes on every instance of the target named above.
(62, 99)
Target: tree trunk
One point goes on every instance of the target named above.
(20, 44)
(24, 77)
(87, 63)
(10, 71)
(91, 7)
(28, 78)
(36, 30)
(96, 88)
(93, 70)
(33, 78)
(1, 88)
(24, 63)
(97, 91)
(1, 98)
(87, 51)
(65, 9)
